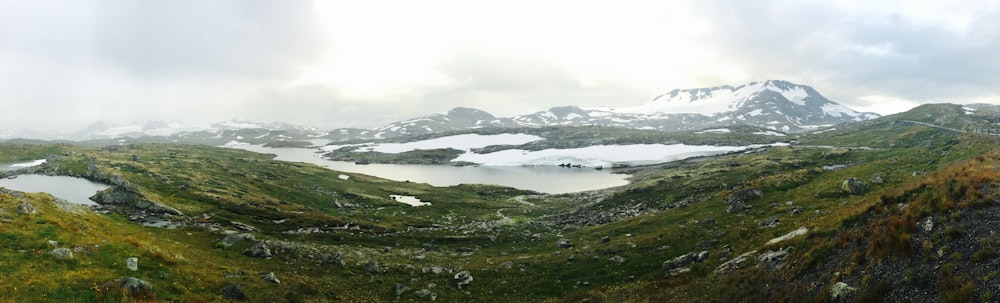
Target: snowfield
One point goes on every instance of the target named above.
(459, 142)
(28, 164)
(600, 155)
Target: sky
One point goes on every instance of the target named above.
(330, 64)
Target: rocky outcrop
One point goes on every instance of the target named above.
(371, 266)
(463, 278)
(425, 294)
(62, 253)
(26, 208)
(564, 243)
(854, 186)
(738, 199)
(679, 264)
(127, 200)
(399, 289)
(270, 277)
(840, 290)
(130, 287)
(259, 250)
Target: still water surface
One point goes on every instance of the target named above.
(76, 190)
(553, 180)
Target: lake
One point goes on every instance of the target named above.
(76, 190)
(546, 179)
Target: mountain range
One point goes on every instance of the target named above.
(774, 104)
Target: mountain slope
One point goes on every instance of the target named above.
(774, 104)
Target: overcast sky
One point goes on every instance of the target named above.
(330, 64)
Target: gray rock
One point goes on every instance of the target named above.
(679, 261)
(564, 243)
(399, 289)
(133, 285)
(854, 186)
(678, 271)
(234, 292)
(232, 239)
(702, 256)
(259, 250)
(773, 258)
(62, 253)
(332, 259)
(431, 247)
(605, 240)
(433, 269)
(734, 263)
(371, 266)
(507, 265)
(744, 195)
(270, 277)
(425, 294)
(617, 259)
(132, 263)
(772, 222)
(737, 206)
(463, 278)
(928, 224)
(840, 289)
(26, 208)
(52, 243)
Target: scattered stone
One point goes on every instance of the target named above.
(617, 259)
(928, 224)
(334, 259)
(796, 211)
(854, 186)
(571, 259)
(564, 243)
(433, 269)
(877, 179)
(678, 271)
(130, 287)
(399, 289)
(243, 226)
(232, 239)
(463, 278)
(259, 250)
(737, 206)
(734, 264)
(795, 233)
(738, 199)
(431, 247)
(62, 253)
(507, 265)
(234, 292)
(270, 277)
(702, 256)
(132, 263)
(371, 266)
(26, 208)
(840, 290)
(425, 294)
(52, 243)
(605, 239)
(772, 222)
(773, 258)
(135, 157)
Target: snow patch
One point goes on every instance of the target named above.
(715, 131)
(410, 200)
(770, 133)
(28, 164)
(460, 142)
(343, 177)
(598, 155)
(837, 110)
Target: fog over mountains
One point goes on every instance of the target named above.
(775, 104)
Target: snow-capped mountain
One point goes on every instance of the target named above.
(774, 104)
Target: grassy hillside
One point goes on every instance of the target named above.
(856, 194)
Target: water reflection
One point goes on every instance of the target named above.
(76, 190)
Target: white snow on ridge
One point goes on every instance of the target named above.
(599, 155)
(796, 95)
(460, 142)
(837, 110)
(28, 164)
(714, 131)
(770, 133)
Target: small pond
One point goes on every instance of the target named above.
(72, 189)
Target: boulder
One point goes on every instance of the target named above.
(840, 290)
(928, 224)
(744, 195)
(232, 239)
(425, 294)
(737, 206)
(270, 277)
(854, 186)
(132, 263)
(617, 259)
(773, 258)
(431, 247)
(332, 259)
(259, 250)
(734, 263)
(62, 253)
(564, 243)
(126, 199)
(463, 278)
(129, 287)
(371, 266)
(234, 292)
(26, 208)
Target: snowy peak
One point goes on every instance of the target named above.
(721, 99)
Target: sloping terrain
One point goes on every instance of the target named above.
(782, 224)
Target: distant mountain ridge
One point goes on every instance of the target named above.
(774, 104)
